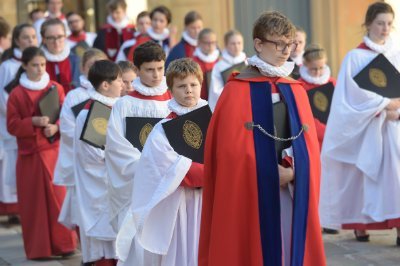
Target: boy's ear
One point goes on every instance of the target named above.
(104, 85)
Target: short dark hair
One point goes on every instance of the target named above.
(191, 17)
(74, 13)
(142, 15)
(112, 5)
(5, 28)
(163, 10)
(36, 10)
(148, 52)
(103, 70)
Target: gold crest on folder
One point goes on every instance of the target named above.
(144, 133)
(321, 102)
(377, 77)
(192, 134)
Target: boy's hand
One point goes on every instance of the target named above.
(40, 121)
(50, 130)
(286, 175)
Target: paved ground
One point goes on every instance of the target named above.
(341, 250)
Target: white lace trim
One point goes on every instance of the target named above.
(101, 98)
(56, 57)
(298, 60)
(158, 36)
(270, 70)
(85, 83)
(188, 39)
(303, 70)
(118, 26)
(178, 109)
(233, 60)
(150, 91)
(206, 58)
(25, 82)
(17, 53)
(379, 48)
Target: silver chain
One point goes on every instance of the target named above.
(273, 136)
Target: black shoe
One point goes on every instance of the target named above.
(13, 219)
(67, 255)
(398, 241)
(330, 231)
(364, 238)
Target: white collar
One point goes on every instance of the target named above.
(206, 58)
(118, 26)
(298, 60)
(303, 70)
(101, 98)
(57, 57)
(233, 60)
(25, 82)
(150, 91)
(158, 36)
(270, 70)
(188, 39)
(17, 53)
(85, 83)
(178, 109)
(379, 48)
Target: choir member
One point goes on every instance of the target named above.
(297, 55)
(128, 75)
(79, 36)
(5, 37)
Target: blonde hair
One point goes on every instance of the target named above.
(273, 23)
(92, 52)
(314, 52)
(182, 68)
(230, 34)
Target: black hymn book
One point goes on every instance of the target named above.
(320, 101)
(138, 129)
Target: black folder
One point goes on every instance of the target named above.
(320, 101)
(381, 77)
(281, 128)
(187, 133)
(76, 109)
(235, 68)
(95, 128)
(138, 129)
(49, 104)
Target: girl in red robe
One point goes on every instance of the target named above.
(39, 200)
(314, 73)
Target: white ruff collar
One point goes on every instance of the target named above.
(233, 60)
(101, 98)
(85, 83)
(178, 109)
(379, 48)
(206, 58)
(158, 36)
(315, 80)
(118, 26)
(17, 53)
(270, 70)
(298, 60)
(150, 91)
(188, 39)
(34, 85)
(57, 57)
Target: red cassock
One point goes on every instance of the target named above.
(39, 200)
(235, 230)
(318, 124)
(206, 68)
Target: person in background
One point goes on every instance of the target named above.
(206, 55)
(128, 75)
(232, 55)
(5, 38)
(79, 36)
(116, 31)
(35, 15)
(297, 55)
(23, 36)
(185, 48)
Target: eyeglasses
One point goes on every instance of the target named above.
(281, 46)
(54, 38)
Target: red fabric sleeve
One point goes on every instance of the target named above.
(16, 125)
(194, 177)
(320, 127)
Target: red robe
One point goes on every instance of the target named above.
(39, 200)
(206, 68)
(230, 223)
(65, 74)
(318, 125)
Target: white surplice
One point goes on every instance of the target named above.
(361, 151)
(91, 182)
(217, 82)
(8, 143)
(121, 156)
(165, 216)
(64, 171)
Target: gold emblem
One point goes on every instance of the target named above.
(100, 125)
(144, 133)
(377, 77)
(79, 51)
(320, 101)
(192, 134)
